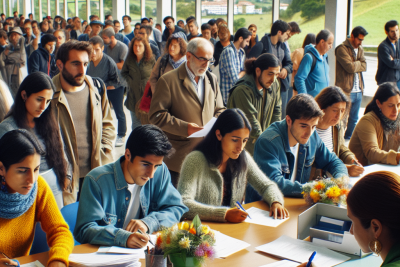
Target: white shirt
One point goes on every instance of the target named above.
(295, 152)
(199, 86)
(326, 137)
(134, 204)
(356, 86)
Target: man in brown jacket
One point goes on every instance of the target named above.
(185, 100)
(83, 114)
(350, 63)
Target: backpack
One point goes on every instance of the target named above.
(314, 63)
(100, 85)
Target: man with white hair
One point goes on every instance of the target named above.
(186, 99)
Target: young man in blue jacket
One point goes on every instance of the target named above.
(134, 193)
(313, 73)
(43, 59)
(286, 151)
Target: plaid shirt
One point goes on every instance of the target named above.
(231, 63)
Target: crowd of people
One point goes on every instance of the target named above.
(279, 124)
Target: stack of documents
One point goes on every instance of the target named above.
(298, 250)
(99, 259)
(33, 264)
(226, 245)
(262, 217)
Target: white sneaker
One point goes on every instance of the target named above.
(120, 141)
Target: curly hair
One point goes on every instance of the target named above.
(148, 53)
(182, 44)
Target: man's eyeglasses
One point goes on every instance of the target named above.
(203, 60)
(360, 39)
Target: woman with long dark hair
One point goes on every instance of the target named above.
(136, 71)
(32, 111)
(25, 200)
(214, 176)
(376, 137)
(335, 104)
(376, 220)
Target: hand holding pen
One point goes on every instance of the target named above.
(6, 261)
(236, 215)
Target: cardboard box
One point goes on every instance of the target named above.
(309, 218)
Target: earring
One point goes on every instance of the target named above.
(375, 246)
(3, 186)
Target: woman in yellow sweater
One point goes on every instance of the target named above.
(25, 199)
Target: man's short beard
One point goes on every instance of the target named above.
(71, 80)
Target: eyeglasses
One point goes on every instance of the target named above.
(360, 39)
(202, 59)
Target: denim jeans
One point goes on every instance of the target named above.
(353, 115)
(135, 121)
(116, 98)
(51, 179)
(284, 97)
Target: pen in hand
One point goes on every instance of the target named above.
(140, 232)
(239, 206)
(311, 259)
(14, 262)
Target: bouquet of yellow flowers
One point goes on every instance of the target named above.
(328, 190)
(189, 240)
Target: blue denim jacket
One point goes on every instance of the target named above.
(104, 201)
(274, 157)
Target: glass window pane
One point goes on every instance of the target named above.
(185, 9)
(95, 8)
(13, 7)
(151, 10)
(44, 10)
(213, 10)
(310, 16)
(21, 7)
(373, 15)
(1, 6)
(53, 8)
(82, 9)
(257, 12)
(107, 4)
(61, 8)
(36, 4)
(71, 8)
(134, 10)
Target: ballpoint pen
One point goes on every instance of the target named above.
(5, 256)
(239, 206)
(311, 259)
(151, 242)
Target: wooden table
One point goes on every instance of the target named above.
(253, 234)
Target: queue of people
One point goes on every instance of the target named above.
(57, 137)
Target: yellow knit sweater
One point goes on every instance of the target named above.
(16, 235)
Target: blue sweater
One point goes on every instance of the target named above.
(312, 83)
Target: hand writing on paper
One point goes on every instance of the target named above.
(134, 225)
(304, 264)
(356, 169)
(235, 215)
(192, 128)
(278, 211)
(57, 264)
(137, 240)
(7, 262)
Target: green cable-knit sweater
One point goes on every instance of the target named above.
(201, 187)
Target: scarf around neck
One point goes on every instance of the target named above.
(176, 64)
(14, 205)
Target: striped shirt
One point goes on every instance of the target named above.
(326, 137)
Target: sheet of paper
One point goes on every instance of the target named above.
(226, 245)
(121, 250)
(206, 128)
(375, 168)
(103, 259)
(261, 217)
(284, 263)
(299, 250)
(33, 264)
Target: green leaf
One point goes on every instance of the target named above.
(196, 222)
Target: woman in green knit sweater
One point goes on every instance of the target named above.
(214, 176)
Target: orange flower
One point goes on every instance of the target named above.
(168, 240)
(319, 186)
(333, 192)
(315, 195)
(159, 241)
(344, 191)
(193, 231)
